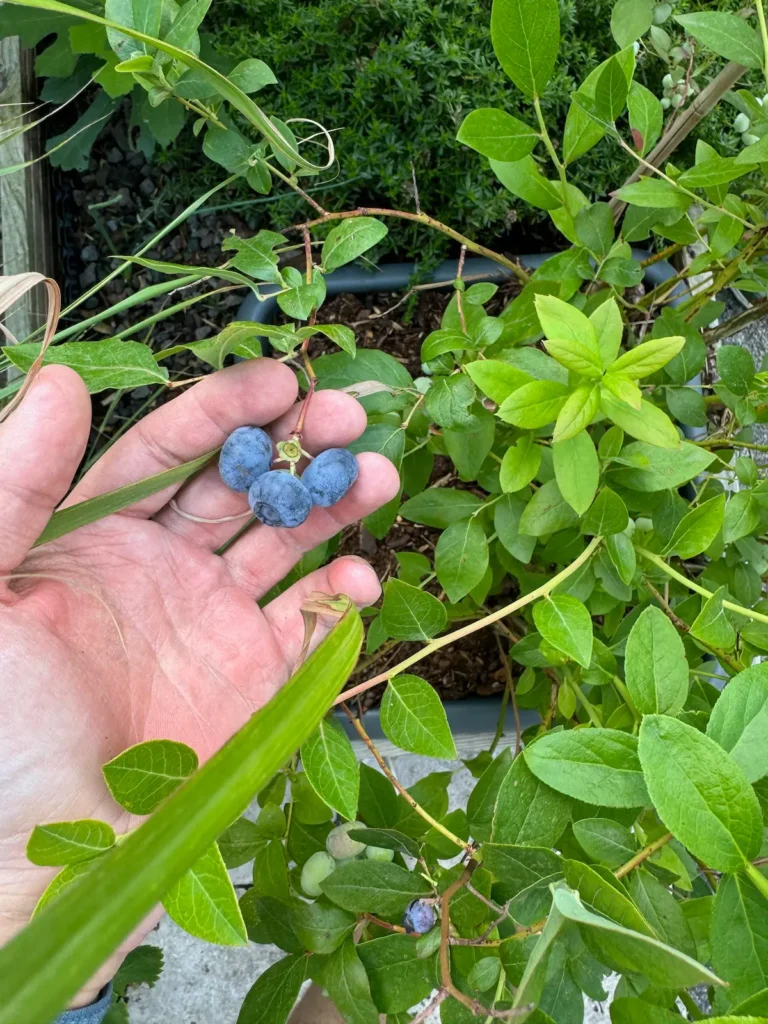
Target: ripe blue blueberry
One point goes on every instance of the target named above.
(419, 917)
(246, 454)
(279, 499)
(329, 476)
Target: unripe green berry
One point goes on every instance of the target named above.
(741, 123)
(317, 868)
(667, 81)
(677, 101)
(666, 103)
(338, 843)
(379, 853)
(661, 13)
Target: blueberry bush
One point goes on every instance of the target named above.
(605, 515)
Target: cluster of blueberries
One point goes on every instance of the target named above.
(340, 849)
(276, 496)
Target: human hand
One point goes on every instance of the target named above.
(132, 629)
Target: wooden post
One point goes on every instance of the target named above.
(24, 202)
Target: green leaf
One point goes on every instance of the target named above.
(531, 985)
(577, 413)
(595, 230)
(495, 378)
(655, 193)
(386, 839)
(440, 507)
(507, 513)
(697, 529)
(546, 512)
(645, 359)
(630, 951)
(469, 445)
(320, 927)
(717, 171)
(413, 718)
(342, 370)
(577, 470)
(611, 92)
(446, 339)
(398, 976)
(565, 623)
(203, 902)
(251, 75)
(647, 424)
(646, 117)
(736, 368)
(624, 389)
(331, 767)
(605, 840)
(374, 887)
(272, 997)
(449, 399)
(241, 842)
(69, 842)
(482, 799)
(348, 986)
(142, 966)
(739, 721)
(144, 775)
(301, 298)
(101, 364)
(528, 812)
(655, 665)
(581, 132)
(738, 938)
(727, 35)
(524, 875)
(660, 469)
(572, 334)
(622, 555)
(742, 516)
(520, 464)
(600, 891)
(700, 793)
(712, 626)
(378, 805)
(409, 613)
(256, 255)
(607, 515)
(597, 766)
(662, 911)
(497, 134)
(350, 239)
(526, 37)
(631, 19)
(534, 405)
(461, 558)
(524, 180)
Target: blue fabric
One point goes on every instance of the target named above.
(94, 1013)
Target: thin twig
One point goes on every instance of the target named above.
(481, 939)
(416, 199)
(431, 1007)
(642, 855)
(459, 302)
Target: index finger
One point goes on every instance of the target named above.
(199, 420)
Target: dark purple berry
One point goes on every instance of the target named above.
(419, 917)
(279, 499)
(329, 476)
(246, 455)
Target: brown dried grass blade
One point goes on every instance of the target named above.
(12, 288)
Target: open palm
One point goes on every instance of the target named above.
(133, 628)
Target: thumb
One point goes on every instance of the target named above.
(41, 445)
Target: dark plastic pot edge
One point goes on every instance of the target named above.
(475, 715)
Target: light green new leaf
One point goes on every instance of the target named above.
(449, 400)
(726, 34)
(577, 413)
(142, 776)
(414, 719)
(564, 323)
(203, 902)
(645, 359)
(520, 464)
(739, 938)
(624, 389)
(742, 516)
(646, 117)
(607, 515)
(374, 887)
(546, 512)
(69, 842)
(697, 529)
(528, 812)
(621, 552)
(609, 329)
(495, 378)
(272, 997)
(526, 37)
(630, 951)
(598, 766)
(461, 558)
(739, 721)
(700, 793)
(647, 424)
(332, 768)
(497, 134)
(534, 405)
(712, 626)
(348, 986)
(409, 613)
(101, 364)
(655, 193)
(577, 470)
(350, 239)
(565, 623)
(655, 666)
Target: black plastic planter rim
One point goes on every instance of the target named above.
(473, 716)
